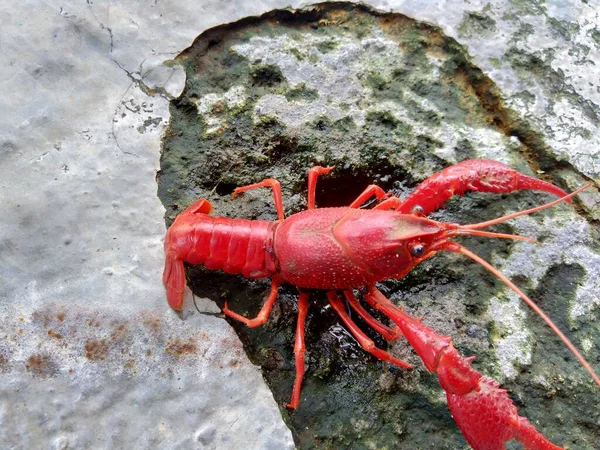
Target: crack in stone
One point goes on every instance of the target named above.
(135, 77)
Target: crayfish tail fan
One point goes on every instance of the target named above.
(174, 280)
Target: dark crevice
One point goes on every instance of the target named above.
(225, 188)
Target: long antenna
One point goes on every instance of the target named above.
(453, 246)
(461, 231)
(475, 226)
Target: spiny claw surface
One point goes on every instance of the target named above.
(479, 175)
(488, 419)
(484, 413)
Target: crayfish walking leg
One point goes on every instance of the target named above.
(484, 413)
(364, 341)
(299, 350)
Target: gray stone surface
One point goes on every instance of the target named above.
(91, 356)
(542, 55)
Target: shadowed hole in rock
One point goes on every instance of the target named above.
(266, 75)
(342, 186)
(225, 188)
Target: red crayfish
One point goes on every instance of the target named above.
(343, 249)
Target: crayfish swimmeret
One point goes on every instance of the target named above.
(343, 249)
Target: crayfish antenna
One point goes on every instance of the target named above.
(461, 231)
(454, 247)
(475, 226)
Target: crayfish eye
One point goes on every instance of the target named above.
(418, 210)
(417, 250)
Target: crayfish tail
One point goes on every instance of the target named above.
(174, 280)
(174, 274)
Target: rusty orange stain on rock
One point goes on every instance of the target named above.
(179, 347)
(54, 334)
(152, 323)
(96, 350)
(40, 365)
(130, 366)
(60, 316)
(119, 333)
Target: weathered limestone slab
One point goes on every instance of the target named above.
(91, 356)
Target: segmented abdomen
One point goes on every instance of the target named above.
(231, 245)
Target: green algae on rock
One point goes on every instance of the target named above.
(387, 100)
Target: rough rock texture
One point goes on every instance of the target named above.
(90, 355)
(387, 99)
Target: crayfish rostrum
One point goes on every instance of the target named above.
(345, 249)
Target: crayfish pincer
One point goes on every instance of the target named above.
(346, 249)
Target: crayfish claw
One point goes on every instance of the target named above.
(482, 410)
(472, 175)
(488, 419)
